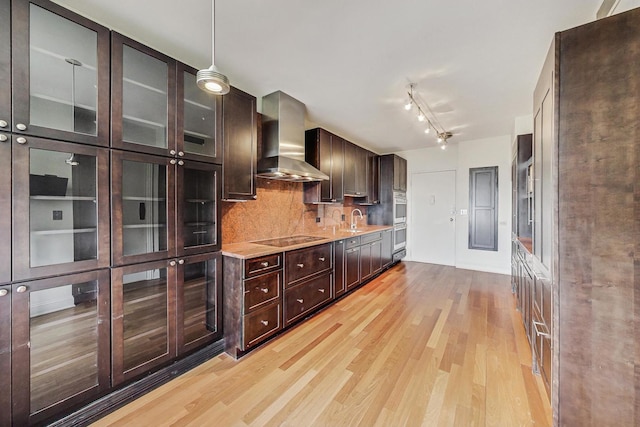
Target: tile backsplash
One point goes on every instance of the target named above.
(279, 210)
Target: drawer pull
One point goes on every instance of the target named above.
(301, 265)
(321, 258)
(264, 263)
(265, 290)
(3, 292)
(300, 300)
(321, 290)
(265, 322)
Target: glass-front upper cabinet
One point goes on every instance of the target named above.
(143, 316)
(61, 207)
(143, 98)
(198, 220)
(143, 207)
(5, 66)
(5, 207)
(199, 119)
(60, 72)
(60, 355)
(199, 298)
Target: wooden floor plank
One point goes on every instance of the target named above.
(420, 345)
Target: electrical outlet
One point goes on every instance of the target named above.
(317, 219)
(57, 215)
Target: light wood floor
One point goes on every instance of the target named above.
(420, 345)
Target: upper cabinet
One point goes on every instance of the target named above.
(60, 73)
(240, 148)
(198, 119)
(143, 98)
(399, 173)
(355, 170)
(325, 151)
(372, 179)
(5, 207)
(5, 67)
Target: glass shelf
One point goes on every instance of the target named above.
(203, 201)
(143, 226)
(62, 231)
(65, 198)
(143, 199)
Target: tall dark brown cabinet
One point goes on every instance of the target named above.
(586, 223)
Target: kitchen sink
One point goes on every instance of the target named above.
(281, 242)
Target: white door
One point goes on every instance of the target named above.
(433, 217)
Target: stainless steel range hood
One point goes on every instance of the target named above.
(283, 141)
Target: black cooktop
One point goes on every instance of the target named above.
(281, 242)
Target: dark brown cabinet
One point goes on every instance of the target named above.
(5, 354)
(399, 173)
(5, 207)
(352, 262)
(372, 180)
(303, 263)
(386, 248)
(199, 301)
(60, 84)
(355, 170)
(5, 70)
(370, 255)
(239, 136)
(60, 348)
(143, 108)
(63, 189)
(339, 283)
(325, 151)
(198, 119)
(252, 301)
(306, 296)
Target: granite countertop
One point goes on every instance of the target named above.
(244, 250)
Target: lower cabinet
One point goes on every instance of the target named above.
(60, 349)
(5, 354)
(370, 255)
(303, 298)
(161, 309)
(352, 262)
(252, 301)
(386, 248)
(339, 282)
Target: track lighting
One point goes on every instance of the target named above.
(426, 115)
(210, 79)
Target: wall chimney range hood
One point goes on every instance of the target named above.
(283, 145)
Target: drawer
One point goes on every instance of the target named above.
(255, 266)
(260, 325)
(261, 290)
(370, 237)
(303, 298)
(352, 242)
(303, 263)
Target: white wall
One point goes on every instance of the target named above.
(460, 157)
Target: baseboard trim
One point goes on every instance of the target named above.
(120, 397)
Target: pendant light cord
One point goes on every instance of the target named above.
(213, 32)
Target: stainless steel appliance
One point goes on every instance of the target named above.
(399, 237)
(399, 207)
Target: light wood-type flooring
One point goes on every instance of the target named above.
(421, 345)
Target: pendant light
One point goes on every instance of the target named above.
(210, 79)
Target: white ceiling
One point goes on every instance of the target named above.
(475, 62)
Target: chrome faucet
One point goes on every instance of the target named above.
(353, 220)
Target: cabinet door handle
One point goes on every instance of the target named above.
(301, 265)
(180, 162)
(265, 322)
(3, 292)
(180, 261)
(21, 126)
(172, 152)
(21, 140)
(265, 290)
(3, 137)
(172, 263)
(321, 290)
(180, 153)
(3, 123)
(264, 264)
(321, 258)
(21, 289)
(300, 300)
(173, 161)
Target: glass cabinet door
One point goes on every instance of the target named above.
(60, 343)
(5, 207)
(5, 355)
(199, 119)
(143, 317)
(199, 296)
(5, 66)
(198, 207)
(143, 83)
(143, 207)
(61, 201)
(60, 74)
